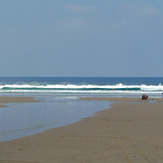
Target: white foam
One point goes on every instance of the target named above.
(72, 88)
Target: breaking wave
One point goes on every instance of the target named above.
(83, 88)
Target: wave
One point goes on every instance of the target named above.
(80, 88)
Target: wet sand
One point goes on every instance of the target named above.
(7, 100)
(128, 132)
(10, 99)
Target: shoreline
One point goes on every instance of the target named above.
(16, 99)
(128, 131)
(121, 99)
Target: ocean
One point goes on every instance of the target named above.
(60, 104)
(96, 86)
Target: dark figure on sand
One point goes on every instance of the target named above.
(144, 97)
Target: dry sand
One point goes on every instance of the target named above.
(126, 133)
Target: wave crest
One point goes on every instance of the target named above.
(80, 88)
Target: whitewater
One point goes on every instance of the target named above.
(79, 89)
(111, 86)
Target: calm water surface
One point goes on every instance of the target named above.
(25, 119)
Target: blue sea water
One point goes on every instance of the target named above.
(111, 86)
(60, 104)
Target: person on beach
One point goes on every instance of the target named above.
(144, 97)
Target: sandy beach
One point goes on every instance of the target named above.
(130, 131)
(7, 100)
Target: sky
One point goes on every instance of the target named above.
(76, 38)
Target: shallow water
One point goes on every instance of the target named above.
(60, 105)
(23, 119)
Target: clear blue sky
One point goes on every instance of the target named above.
(81, 38)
